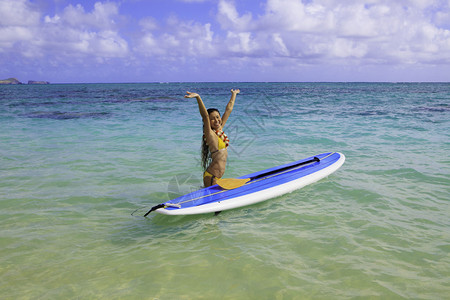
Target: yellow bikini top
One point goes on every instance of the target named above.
(222, 144)
(223, 139)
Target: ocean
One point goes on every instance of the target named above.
(77, 160)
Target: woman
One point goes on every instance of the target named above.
(215, 141)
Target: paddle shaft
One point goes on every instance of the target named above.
(238, 182)
(315, 159)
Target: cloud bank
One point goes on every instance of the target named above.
(284, 36)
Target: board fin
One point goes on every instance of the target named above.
(231, 183)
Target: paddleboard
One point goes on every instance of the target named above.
(261, 186)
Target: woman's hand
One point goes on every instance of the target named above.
(191, 95)
(237, 91)
(201, 106)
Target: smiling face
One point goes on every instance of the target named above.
(215, 120)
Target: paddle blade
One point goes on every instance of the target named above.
(231, 183)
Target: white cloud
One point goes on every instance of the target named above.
(148, 24)
(17, 13)
(285, 33)
(11, 35)
(71, 34)
(101, 18)
(229, 17)
(279, 45)
(178, 39)
(312, 32)
(241, 42)
(290, 15)
(18, 22)
(108, 43)
(77, 33)
(358, 21)
(344, 48)
(51, 20)
(377, 31)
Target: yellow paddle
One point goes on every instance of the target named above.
(231, 183)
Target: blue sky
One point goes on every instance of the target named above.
(65, 41)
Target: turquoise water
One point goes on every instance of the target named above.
(77, 160)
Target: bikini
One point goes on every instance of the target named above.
(223, 142)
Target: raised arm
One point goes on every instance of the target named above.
(201, 108)
(230, 106)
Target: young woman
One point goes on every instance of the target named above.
(215, 141)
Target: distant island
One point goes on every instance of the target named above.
(37, 82)
(16, 81)
(10, 81)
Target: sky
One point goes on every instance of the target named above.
(65, 41)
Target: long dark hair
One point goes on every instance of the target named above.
(206, 156)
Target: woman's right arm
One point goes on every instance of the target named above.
(201, 107)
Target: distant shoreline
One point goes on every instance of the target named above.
(14, 81)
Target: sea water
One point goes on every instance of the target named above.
(76, 160)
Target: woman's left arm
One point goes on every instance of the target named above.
(230, 106)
